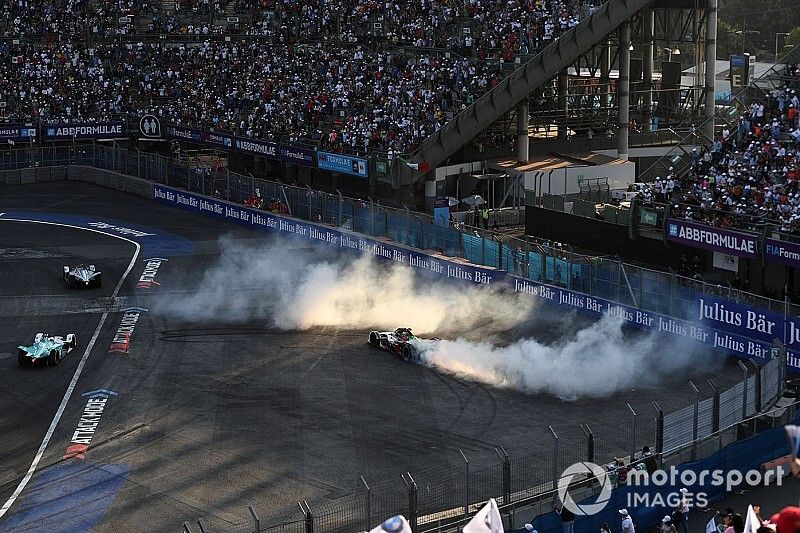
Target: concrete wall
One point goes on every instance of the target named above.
(33, 175)
(112, 180)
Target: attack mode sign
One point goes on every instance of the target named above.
(148, 277)
(87, 425)
(122, 337)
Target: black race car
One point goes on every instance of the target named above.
(401, 342)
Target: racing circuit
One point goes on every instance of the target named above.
(153, 420)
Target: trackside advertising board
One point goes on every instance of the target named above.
(747, 335)
(785, 253)
(93, 130)
(711, 238)
(256, 147)
(16, 133)
(343, 163)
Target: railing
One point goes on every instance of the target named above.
(439, 499)
(535, 259)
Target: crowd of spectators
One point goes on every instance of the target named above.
(316, 71)
(747, 177)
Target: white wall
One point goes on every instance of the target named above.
(566, 180)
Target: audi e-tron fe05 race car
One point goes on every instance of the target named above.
(400, 342)
(46, 350)
(82, 276)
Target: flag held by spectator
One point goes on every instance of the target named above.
(488, 520)
(793, 437)
(751, 522)
(711, 527)
(396, 524)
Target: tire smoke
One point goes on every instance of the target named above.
(304, 288)
(595, 362)
(299, 289)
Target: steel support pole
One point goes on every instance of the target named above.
(711, 71)
(563, 88)
(624, 89)
(523, 114)
(605, 75)
(648, 29)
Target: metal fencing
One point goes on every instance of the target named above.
(531, 258)
(444, 499)
(757, 390)
(440, 499)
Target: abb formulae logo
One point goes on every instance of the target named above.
(148, 277)
(122, 337)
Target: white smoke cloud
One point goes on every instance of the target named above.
(595, 362)
(298, 289)
(301, 289)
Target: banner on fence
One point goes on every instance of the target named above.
(182, 133)
(297, 155)
(785, 253)
(711, 238)
(220, 140)
(718, 330)
(16, 133)
(257, 147)
(343, 163)
(95, 130)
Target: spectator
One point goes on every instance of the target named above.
(288, 77)
(567, 519)
(627, 522)
(666, 525)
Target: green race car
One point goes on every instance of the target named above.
(46, 350)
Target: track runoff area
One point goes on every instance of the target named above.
(154, 419)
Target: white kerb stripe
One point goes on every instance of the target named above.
(71, 387)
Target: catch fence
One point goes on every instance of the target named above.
(535, 259)
(441, 499)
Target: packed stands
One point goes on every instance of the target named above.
(314, 71)
(748, 176)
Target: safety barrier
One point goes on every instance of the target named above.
(438, 499)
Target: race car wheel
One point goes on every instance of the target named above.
(373, 339)
(406, 353)
(52, 359)
(21, 358)
(99, 281)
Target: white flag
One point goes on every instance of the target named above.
(488, 520)
(415, 166)
(751, 523)
(396, 524)
(793, 437)
(711, 527)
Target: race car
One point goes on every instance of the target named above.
(46, 350)
(400, 342)
(82, 276)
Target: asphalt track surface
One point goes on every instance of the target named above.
(209, 418)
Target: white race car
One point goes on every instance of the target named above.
(82, 276)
